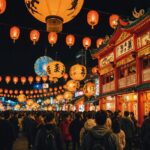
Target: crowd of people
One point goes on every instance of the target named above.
(102, 130)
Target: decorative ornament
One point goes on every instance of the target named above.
(138, 14)
(41, 64)
(1, 78)
(54, 13)
(17, 107)
(114, 21)
(30, 79)
(72, 85)
(65, 76)
(94, 70)
(23, 80)
(14, 33)
(7, 79)
(70, 40)
(68, 95)
(44, 78)
(78, 72)
(59, 98)
(89, 89)
(47, 101)
(29, 102)
(52, 38)
(38, 78)
(2, 6)
(21, 98)
(15, 80)
(86, 42)
(34, 36)
(99, 42)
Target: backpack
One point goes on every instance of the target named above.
(99, 143)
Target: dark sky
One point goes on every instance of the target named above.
(19, 58)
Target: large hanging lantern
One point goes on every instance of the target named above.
(114, 21)
(72, 85)
(92, 18)
(30, 79)
(15, 80)
(54, 12)
(55, 69)
(41, 64)
(34, 36)
(89, 89)
(14, 33)
(70, 40)
(68, 95)
(2, 6)
(78, 72)
(99, 42)
(23, 80)
(86, 42)
(21, 98)
(52, 38)
(7, 79)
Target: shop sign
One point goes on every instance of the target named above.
(106, 60)
(106, 70)
(144, 51)
(125, 47)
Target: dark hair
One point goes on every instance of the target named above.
(78, 115)
(116, 126)
(49, 117)
(101, 117)
(126, 113)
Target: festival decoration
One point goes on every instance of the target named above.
(21, 98)
(21, 91)
(14, 33)
(6, 91)
(86, 42)
(49, 108)
(17, 107)
(94, 70)
(78, 72)
(52, 38)
(38, 78)
(92, 18)
(89, 89)
(70, 40)
(23, 80)
(2, 6)
(54, 13)
(72, 85)
(99, 42)
(1, 78)
(65, 76)
(16, 92)
(44, 78)
(7, 79)
(15, 80)
(29, 102)
(68, 95)
(59, 98)
(34, 36)
(30, 79)
(47, 101)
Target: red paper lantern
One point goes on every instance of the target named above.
(65, 76)
(30, 79)
(21, 92)
(114, 21)
(23, 80)
(7, 79)
(2, 6)
(94, 70)
(34, 36)
(16, 92)
(52, 38)
(1, 78)
(99, 42)
(15, 80)
(38, 78)
(44, 78)
(14, 33)
(70, 40)
(10, 91)
(86, 42)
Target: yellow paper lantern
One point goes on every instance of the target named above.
(78, 72)
(29, 102)
(59, 97)
(72, 85)
(17, 107)
(68, 95)
(54, 12)
(89, 89)
(21, 98)
(55, 69)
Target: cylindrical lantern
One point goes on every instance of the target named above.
(2, 6)
(99, 42)
(70, 40)
(7, 79)
(44, 78)
(92, 18)
(15, 80)
(86, 42)
(114, 21)
(14, 33)
(23, 80)
(78, 72)
(30, 79)
(21, 98)
(52, 38)
(89, 89)
(34, 36)
(38, 78)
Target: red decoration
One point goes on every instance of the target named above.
(23, 80)
(7, 79)
(52, 38)
(34, 36)
(14, 33)
(30, 79)
(114, 21)
(99, 42)
(86, 42)
(2, 6)
(70, 40)
(15, 80)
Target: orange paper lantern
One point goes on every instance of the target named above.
(70, 40)
(7, 79)
(34, 36)
(23, 80)
(38, 78)
(15, 80)
(14, 33)
(1, 78)
(2, 6)
(86, 42)
(30, 79)
(92, 18)
(94, 70)
(44, 78)
(99, 42)
(65, 76)
(10, 91)
(16, 92)
(114, 21)
(52, 38)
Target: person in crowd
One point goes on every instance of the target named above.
(88, 125)
(74, 129)
(119, 133)
(100, 137)
(64, 126)
(145, 133)
(49, 137)
(128, 127)
(7, 135)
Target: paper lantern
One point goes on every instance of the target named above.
(99, 42)
(27, 92)
(72, 85)
(55, 69)
(70, 40)
(7, 79)
(60, 87)
(1, 90)
(1, 78)
(16, 92)
(59, 97)
(31, 92)
(2, 6)
(29, 102)
(89, 89)
(49, 108)
(5, 91)
(65, 76)
(30, 79)
(78, 72)
(38, 78)
(23, 80)
(21, 91)
(52, 38)
(15, 80)
(92, 18)
(54, 13)
(44, 78)
(68, 95)
(14, 33)
(114, 21)
(47, 101)
(17, 107)
(94, 70)
(34, 36)
(86, 42)
(10, 91)
(21, 98)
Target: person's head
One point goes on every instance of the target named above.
(67, 116)
(126, 113)
(78, 116)
(50, 118)
(101, 117)
(116, 126)
(132, 114)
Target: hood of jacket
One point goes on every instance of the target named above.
(89, 124)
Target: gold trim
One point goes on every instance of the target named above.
(144, 51)
(106, 70)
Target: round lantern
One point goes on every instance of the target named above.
(55, 69)
(2, 6)
(34, 36)
(54, 13)
(15, 80)
(92, 18)
(99, 42)
(10, 91)
(1, 90)
(94, 70)
(21, 98)
(23, 80)
(60, 97)
(114, 21)
(30, 79)
(41, 64)
(29, 102)
(78, 72)
(5, 91)
(86, 42)
(44, 78)
(16, 92)
(38, 78)
(65, 76)
(17, 107)
(68, 95)
(1, 78)
(70, 40)
(72, 85)
(7, 79)
(47, 101)
(14, 33)
(49, 108)
(89, 89)
(27, 92)
(52, 38)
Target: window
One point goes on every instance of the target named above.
(109, 77)
(146, 62)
